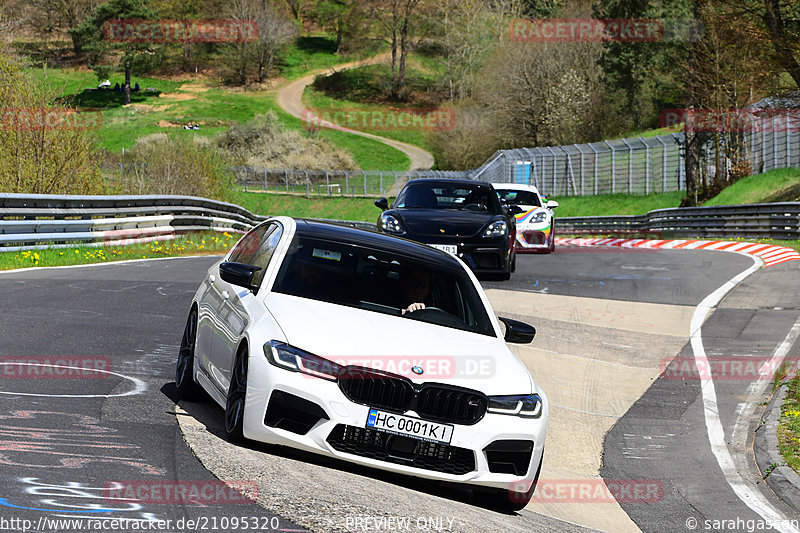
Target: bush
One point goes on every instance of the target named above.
(45, 147)
(177, 165)
(265, 143)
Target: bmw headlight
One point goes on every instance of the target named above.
(528, 405)
(294, 359)
(496, 229)
(390, 224)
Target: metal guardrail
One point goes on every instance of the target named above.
(770, 221)
(42, 221)
(36, 221)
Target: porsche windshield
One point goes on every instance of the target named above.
(437, 196)
(377, 281)
(513, 197)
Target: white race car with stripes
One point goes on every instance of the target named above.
(535, 224)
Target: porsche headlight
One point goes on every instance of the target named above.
(294, 359)
(527, 405)
(538, 218)
(496, 229)
(390, 224)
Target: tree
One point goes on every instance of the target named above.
(398, 19)
(256, 57)
(647, 75)
(55, 16)
(103, 47)
(45, 147)
(337, 16)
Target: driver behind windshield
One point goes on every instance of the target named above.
(416, 288)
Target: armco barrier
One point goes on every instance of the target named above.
(35, 221)
(762, 221)
(41, 221)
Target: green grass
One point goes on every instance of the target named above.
(204, 243)
(316, 52)
(614, 204)
(758, 188)
(362, 209)
(789, 425)
(650, 133)
(215, 108)
(363, 90)
(370, 154)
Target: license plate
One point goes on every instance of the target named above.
(409, 426)
(449, 248)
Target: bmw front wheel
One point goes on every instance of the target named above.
(184, 369)
(237, 393)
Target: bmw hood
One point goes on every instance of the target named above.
(420, 351)
(455, 223)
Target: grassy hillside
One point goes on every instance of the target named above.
(781, 185)
(166, 106)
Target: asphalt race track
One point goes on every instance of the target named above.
(609, 323)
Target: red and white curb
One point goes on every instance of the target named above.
(771, 255)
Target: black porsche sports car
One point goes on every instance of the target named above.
(462, 217)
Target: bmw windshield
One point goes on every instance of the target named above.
(377, 281)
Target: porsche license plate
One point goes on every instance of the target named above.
(409, 426)
(449, 248)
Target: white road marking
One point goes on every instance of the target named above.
(139, 385)
(744, 490)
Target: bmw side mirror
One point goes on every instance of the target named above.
(552, 204)
(383, 203)
(518, 332)
(239, 274)
(515, 209)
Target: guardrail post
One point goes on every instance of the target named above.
(381, 175)
(308, 185)
(365, 182)
(286, 177)
(266, 187)
(346, 183)
(245, 179)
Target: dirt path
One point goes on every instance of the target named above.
(290, 99)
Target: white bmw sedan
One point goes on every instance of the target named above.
(368, 348)
(536, 231)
